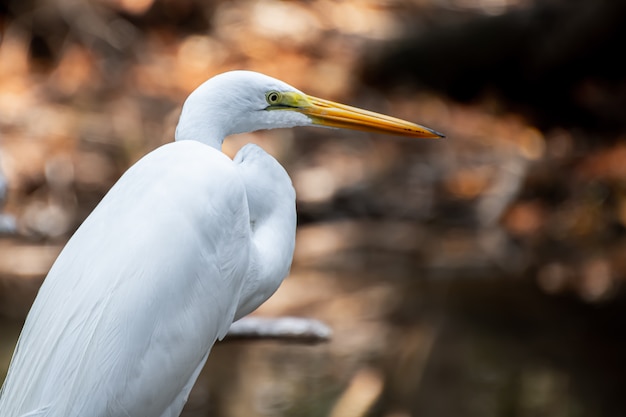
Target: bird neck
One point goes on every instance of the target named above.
(192, 127)
(271, 252)
(204, 119)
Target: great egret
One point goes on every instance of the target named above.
(185, 243)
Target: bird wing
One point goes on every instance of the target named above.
(128, 313)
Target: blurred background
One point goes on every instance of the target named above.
(478, 275)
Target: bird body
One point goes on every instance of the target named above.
(186, 242)
(158, 332)
(164, 334)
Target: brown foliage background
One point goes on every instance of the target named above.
(476, 275)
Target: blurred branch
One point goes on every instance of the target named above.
(292, 329)
(7, 223)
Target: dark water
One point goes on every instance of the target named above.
(418, 345)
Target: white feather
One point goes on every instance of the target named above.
(184, 243)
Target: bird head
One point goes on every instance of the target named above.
(245, 101)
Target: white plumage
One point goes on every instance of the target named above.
(185, 243)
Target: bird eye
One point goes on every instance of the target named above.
(273, 97)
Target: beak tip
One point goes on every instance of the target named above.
(437, 135)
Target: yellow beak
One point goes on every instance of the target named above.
(328, 113)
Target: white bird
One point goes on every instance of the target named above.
(186, 242)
